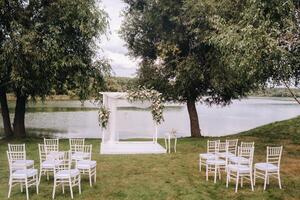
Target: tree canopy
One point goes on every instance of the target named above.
(207, 51)
(47, 45)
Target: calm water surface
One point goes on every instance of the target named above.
(71, 119)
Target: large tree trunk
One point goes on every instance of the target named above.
(5, 113)
(194, 122)
(19, 121)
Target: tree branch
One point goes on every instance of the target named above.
(291, 92)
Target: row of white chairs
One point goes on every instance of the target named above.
(66, 166)
(237, 162)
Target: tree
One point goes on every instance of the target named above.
(46, 44)
(178, 57)
(262, 34)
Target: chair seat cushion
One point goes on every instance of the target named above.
(63, 174)
(207, 156)
(55, 155)
(50, 164)
(80, 155)
(239, 168)
(23, 173)
(86, 164)
(23, 163)
(266, 166)
(216, 162)
(239, 159)
(225, 155)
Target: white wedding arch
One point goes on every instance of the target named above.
(110, 137)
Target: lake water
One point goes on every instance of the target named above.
(70, 119)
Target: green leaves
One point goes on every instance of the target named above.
(47, 45)
(211, 50)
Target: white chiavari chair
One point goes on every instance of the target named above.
(241, 171)
(77, 148)
(212, 149)
(216, 165)
(76, 144)
(52, 148)
(22, 161)
(242, 159)
(271, 168)
(86, 165)
(65, 176)
(47, 164)
(51, 145)
(20, 174)
(231, 149)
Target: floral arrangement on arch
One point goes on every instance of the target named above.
(144, 94)
(103, 116)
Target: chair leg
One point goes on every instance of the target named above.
(169, 140)
(254, 180)
(90, 177)
(219, 169)
(26, 188)
(21, 187)
(237, 181)
(71, 189)
(241, 181)
(37, 184)
(9, 189)
(95, 175)
(47, 173)
(63, 188)
(54, 188)
(265, 181)
(79, 184)
(206, 172)
(227, 178)
(175, 144)
(200, 164)
(215, 173)
(166, 145)
(40, 176)
(251, 181)
(279, 180)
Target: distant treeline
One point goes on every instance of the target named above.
(275, 92)
(112, 84)
(122, 84)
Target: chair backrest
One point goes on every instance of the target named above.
(247, 144)
(274, 155)
(66, 162)
(246, 152)
(76, 144)
(42, 152)
(232, 146)
(13, 156)
(222, 147)
(51, 145)
(88, 149)
(213, 146)
(16, 147)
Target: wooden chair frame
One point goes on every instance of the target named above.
(274, 155)
(20, 174)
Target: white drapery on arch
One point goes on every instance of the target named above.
(110, 138)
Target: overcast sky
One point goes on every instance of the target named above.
(114, 47)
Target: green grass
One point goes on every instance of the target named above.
(172, 176)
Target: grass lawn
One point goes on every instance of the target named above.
(172, 176)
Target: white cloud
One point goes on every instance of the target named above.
(114, 48)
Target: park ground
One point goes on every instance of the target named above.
(171, 176)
